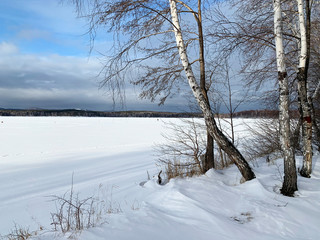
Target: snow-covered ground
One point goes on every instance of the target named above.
(112, 158)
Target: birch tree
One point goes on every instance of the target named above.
(314, 72)
(251, 34)
(144, 30)
(302, 87)
(220, 138)
(290, 176)
(209, 156)
(146, 23)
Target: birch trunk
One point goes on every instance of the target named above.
(305, 109)
(219, 137)
(290, 175)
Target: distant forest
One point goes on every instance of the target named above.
(88, 113)
(148, 114)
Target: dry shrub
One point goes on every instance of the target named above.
(20, 233)
(182, 154)
(74, 214)
(265, 140)
(175, 169)
(222, 160)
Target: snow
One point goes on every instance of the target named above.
(112, 158)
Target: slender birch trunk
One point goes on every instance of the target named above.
(220, 138)
(290, 175)
(305, 109)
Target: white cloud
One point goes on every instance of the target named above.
(30, 79)
(52, 65)
(8, 49)
(55, 81)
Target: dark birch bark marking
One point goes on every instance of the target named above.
(282, 75)
(307, 119)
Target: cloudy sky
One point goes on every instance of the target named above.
(45, 62)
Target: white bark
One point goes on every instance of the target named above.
(303, 95)
(290, 176)
(281, 65)
(303, 35)
(220, 138)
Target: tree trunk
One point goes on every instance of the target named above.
(305, 111)
(209, 156)
(219, 137)
(290, 175)
(306, 118)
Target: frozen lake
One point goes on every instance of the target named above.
(39, 156)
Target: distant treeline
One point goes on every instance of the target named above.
(86, 113)
(147, 114)
(259, 114)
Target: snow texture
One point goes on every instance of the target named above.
(112, 157)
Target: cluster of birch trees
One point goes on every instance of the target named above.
(280, 35)
(168, 45)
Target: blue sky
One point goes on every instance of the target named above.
(43, 27)
(45, 62)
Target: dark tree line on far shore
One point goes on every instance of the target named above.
(148, 114)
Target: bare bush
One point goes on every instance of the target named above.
(222, 160)
(174, 168)
(20, 233)
(183, 153)
(265, 141)
(74, 214)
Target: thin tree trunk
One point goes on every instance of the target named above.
(219, 137)
(305, 110)
(230, 107)
(290, 175)
(232, 127)
(209, 156)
